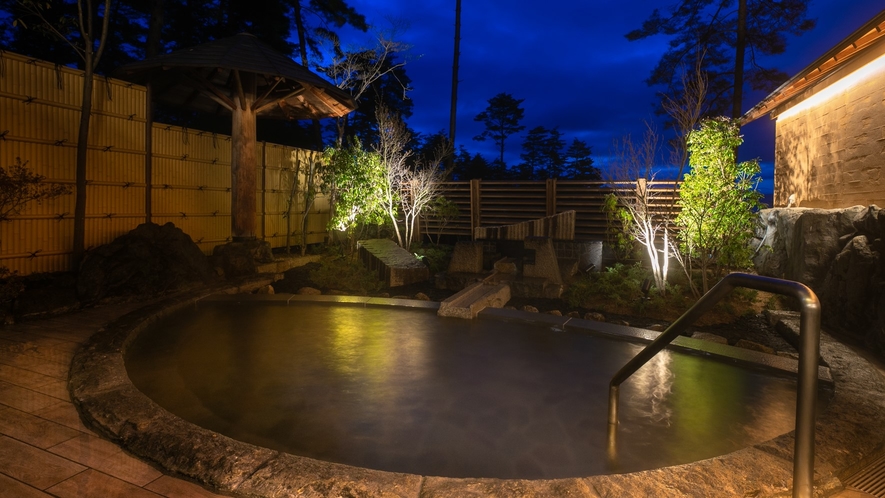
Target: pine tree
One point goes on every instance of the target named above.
(579, 163)
(720, 33)
(501, 119)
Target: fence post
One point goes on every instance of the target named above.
(551, 196)
(475, 206)
(641, 190)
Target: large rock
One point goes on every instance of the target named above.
(839, 254)
(241, 258)
(853, 288)
(801, 243)
(774, 240)
(147, 261)
(818, 237)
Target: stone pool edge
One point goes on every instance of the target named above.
(846, 435)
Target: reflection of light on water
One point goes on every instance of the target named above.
(349, 344)
(381, 351)
(653, 383)
(773, 413)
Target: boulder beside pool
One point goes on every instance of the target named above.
(149, 260)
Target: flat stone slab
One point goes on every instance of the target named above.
(468, 302)
(394, 265)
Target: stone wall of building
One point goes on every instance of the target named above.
(840, 255)
(830, 146)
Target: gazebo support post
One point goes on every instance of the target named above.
(244, 168)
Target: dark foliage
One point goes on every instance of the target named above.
(707, 30)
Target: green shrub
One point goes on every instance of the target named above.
(11, 285)
(346, 274)
(619, 283)
(436, 257)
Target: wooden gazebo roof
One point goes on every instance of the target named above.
(206, 78)
(869, 35)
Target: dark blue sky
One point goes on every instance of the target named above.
(571, 63)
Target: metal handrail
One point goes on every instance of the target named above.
(809, 353)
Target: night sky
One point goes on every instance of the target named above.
(571, 63)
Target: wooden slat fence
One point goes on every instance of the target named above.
(493, 203)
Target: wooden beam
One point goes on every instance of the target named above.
(276, 102)
(335, 108)
(257, 104)
(210, 90)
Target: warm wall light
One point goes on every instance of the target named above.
(874, 69)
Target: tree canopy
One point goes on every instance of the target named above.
(719, 34)
(501, 119)
(717, 200)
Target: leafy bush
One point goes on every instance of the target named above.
(619, 283)
(20, 186)
(436, 257)
(617, 219)
(11, 285)
(718, 201)
(353, 179)
(346, 274)
(441, 211)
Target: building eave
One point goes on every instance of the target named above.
(862, 40)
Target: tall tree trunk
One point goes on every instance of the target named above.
(91, 57)
(454, 109)
(82, 150)
(151, 49)
(302, 49)
(155, 29)
(740, 54)
(244, 169)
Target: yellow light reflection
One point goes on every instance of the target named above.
(654, 383)
(377, 349)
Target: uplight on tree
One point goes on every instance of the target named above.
(718, 200)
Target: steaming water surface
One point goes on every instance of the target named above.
(403, 390)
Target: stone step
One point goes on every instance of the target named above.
(394, 265)
(468, 302)
(282, 264)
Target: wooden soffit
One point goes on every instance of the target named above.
(209, 78)
(870, 34)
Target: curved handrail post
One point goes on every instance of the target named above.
(809, 353)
